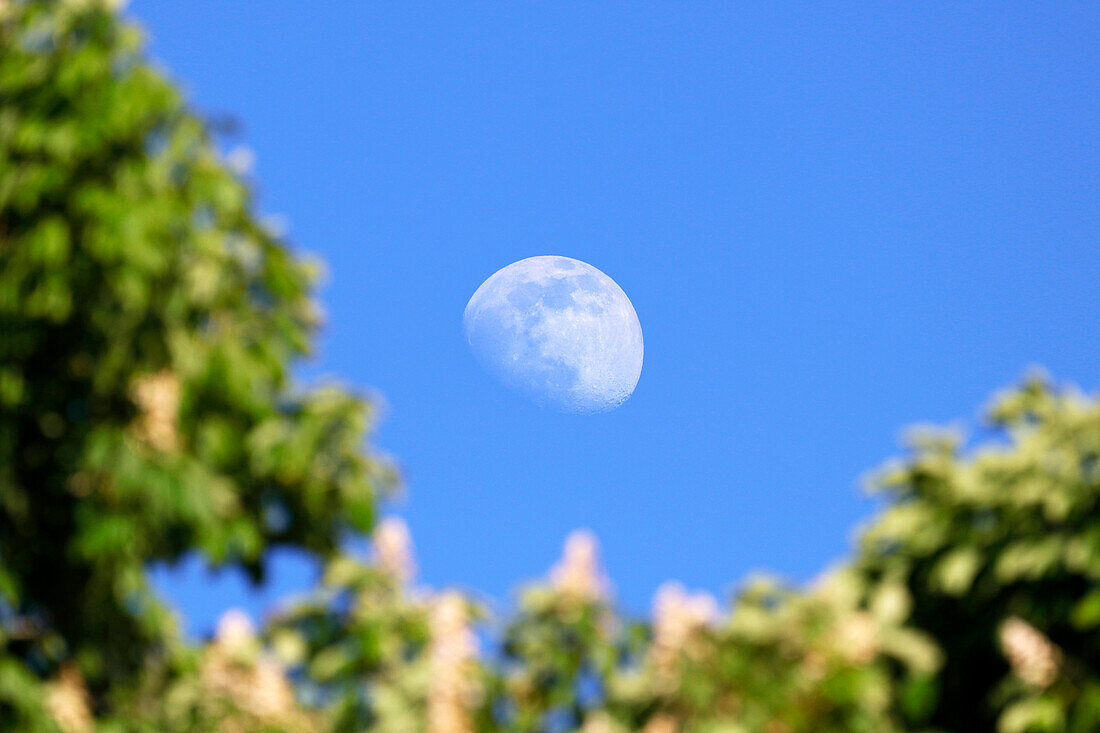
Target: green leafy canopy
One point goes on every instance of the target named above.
(149, 323)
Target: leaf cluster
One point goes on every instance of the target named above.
(149, 322)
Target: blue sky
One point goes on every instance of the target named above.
(832, 223)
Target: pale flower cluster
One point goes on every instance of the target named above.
(578, 573)
(600, 722)
(661, 723)
(157, 397)
(68, 703)
(452, 654)
(393, 550)
(678, 618)
(857, 637)
(1032, 656)
(235, 670)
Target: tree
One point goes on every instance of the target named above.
(148, 321)
(999, 554)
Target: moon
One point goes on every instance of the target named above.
(558, 330)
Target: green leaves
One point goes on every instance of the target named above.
(1009, 530)
(1033, 715)
(150, 325)
(954, 573)
(1086, 612)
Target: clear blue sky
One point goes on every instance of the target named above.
(832, 223)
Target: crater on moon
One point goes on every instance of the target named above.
(559, 330)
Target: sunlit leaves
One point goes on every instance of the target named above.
(150, 322)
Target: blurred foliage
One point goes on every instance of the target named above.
(148, 321)
(992, 545)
